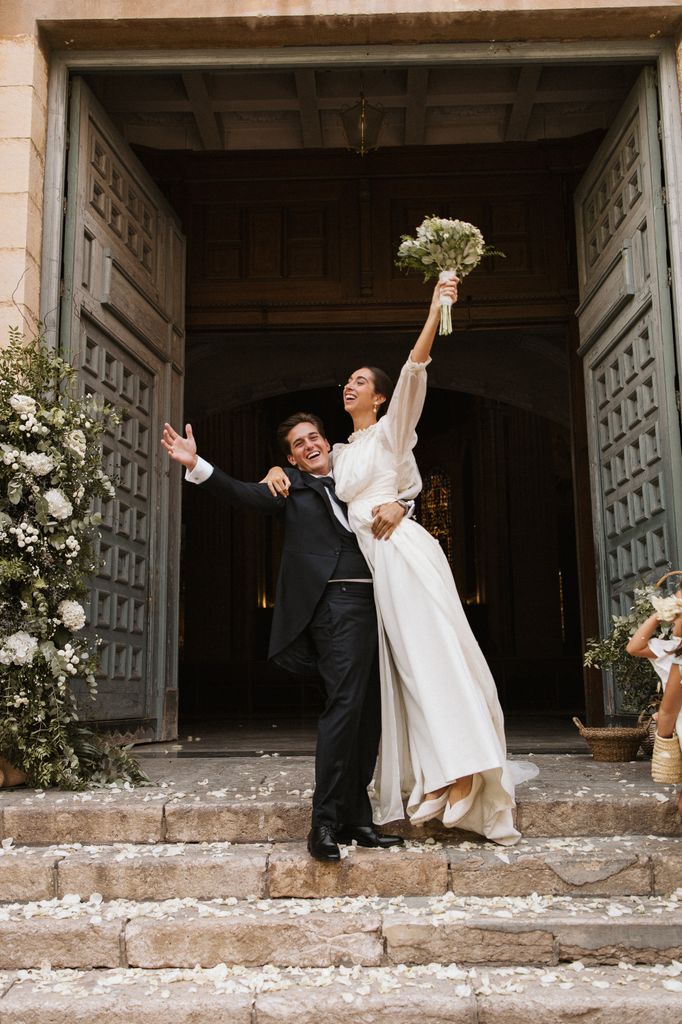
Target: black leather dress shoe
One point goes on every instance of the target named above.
(322, 843)
(364, 835)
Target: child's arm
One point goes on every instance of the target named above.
(638, 646)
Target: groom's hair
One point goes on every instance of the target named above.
(292, 421)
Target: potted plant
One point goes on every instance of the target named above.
(50, 477)
(636, 678)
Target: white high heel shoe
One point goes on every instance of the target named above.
(455, 812)
(429, 809)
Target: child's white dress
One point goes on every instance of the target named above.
(665, 651)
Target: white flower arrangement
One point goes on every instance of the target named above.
(444, 249)
(50, 477)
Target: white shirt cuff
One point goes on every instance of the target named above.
(200, 473)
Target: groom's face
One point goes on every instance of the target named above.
(308, 450)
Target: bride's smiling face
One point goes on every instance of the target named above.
(359, 394)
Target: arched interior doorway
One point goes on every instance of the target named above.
(500, 441)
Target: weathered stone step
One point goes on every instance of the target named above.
(435, 994)
(63, 818)
(336, 931)
(627, 865)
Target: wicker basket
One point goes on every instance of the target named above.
(666, 763)
(615, 743)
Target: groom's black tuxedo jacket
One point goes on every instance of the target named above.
(313, 540)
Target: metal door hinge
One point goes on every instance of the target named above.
(659, 129)
(670, 277)
(664, 196)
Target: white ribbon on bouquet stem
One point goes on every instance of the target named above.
(446, 302)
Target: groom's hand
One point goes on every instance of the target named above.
(181, 449)
(386, 518)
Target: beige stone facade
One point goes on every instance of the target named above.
(32, 30)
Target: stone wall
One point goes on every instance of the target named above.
(23, 124)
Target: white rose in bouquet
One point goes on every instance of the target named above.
(23, 404)
(58, 504)
(37, 463)
(72, 615)
(75, 441)
(18, 649)
(667, 608)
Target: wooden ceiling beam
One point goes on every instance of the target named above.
(311, 128)
(200, 105)
(415, 110)
(526, 98)
(473, 99)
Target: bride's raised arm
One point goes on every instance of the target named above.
(406, 405)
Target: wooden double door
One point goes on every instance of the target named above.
(122, 321)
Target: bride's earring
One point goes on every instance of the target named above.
(375, 407)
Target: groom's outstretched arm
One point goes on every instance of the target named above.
(237, 493)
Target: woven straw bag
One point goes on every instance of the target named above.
(666, 760)
(666, 763)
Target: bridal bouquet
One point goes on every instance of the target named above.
(444, 249)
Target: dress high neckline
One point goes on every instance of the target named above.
(359, 433)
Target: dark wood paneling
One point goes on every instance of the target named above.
(309, 239)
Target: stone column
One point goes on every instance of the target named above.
(23, 125)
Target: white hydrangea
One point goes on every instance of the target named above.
(37, 463)
(72, 614)
(23, 404)
(58, 504)
(18, 649)
(76, 442)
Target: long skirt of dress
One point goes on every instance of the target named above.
(441, 717)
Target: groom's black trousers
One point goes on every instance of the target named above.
(344, 634)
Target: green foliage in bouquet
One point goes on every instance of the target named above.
(441, 244)
(636, 677)
(50, 474)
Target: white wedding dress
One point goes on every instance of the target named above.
(441, 717)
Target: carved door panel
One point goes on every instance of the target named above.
(122, 326)
(626, 333)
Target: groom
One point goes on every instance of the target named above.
(324, 619)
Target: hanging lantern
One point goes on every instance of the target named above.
(362, 124)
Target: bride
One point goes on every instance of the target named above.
(443, 737)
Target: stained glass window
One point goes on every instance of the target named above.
(436, 509)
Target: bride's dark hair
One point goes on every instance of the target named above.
(383, 385)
